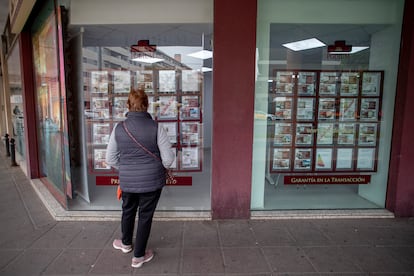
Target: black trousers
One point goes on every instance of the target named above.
(146, 202)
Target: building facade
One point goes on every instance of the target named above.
(262, 122)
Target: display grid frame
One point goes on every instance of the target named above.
(342, 95)
(106, 104)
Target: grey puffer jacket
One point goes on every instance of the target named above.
(139, 172)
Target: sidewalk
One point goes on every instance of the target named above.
(33, 243)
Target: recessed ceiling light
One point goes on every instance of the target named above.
(203, 54)
(355, 49)
(146, 59)
(304, 44)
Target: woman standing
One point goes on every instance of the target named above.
(141, 152)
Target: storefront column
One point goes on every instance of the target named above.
(233, 107)
(400, 192)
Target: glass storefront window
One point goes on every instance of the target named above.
(16, 99)
(178, 84)
(325, 140)
(49, 103)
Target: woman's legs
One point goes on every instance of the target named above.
(147, 204)
(130, 203)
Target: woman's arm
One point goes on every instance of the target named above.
(112, 152)
(164, 145)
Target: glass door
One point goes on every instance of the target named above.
(50, 103)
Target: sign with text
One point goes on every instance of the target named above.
(113, 180)
(326, 179)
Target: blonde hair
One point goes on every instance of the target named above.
(137, 100)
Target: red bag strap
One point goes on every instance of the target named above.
(138, 143)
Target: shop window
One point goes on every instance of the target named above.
(328, 145)
(179, 93)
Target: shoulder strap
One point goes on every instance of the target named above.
(138, 143)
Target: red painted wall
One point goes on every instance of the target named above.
(233, 106)
(400, 194)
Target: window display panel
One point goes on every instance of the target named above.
(281, 159)
(304, 134)
(349, 84)
(99, 160)
(100, 107)
(367, 134)
(190, 108)
(325, 134)
(122, 81)
(334, 103)
(348, 109)
(303, 159)
(175, 85)
(344, 158)
(190, 133)
(285, 82)
(166, 82)
(171, 130)
(190, 81)
(168, 107)
(323, 159)
(366, 157)
(371, 83)
(306, 83)
(283, 134)
(327, 109)
(145, 79)
(120, 108)
(283, 109)
(99, 82)
(346, 134)
(190, 158)
(101, 133)
(305, 110)
(369, 109)
(328, 83)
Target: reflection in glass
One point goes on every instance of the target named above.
(16, 99)
(50, 135)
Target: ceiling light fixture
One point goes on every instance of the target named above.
(354, 49)
(144, 52)
(206, 69)
(147, 59)
(203, 54)
(339, 46)
(306, 44)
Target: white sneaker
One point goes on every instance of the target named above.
(138, 262)
(117, 244)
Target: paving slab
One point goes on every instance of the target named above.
(248, 260)
(288, 259)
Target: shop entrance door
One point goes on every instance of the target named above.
(50, 94)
